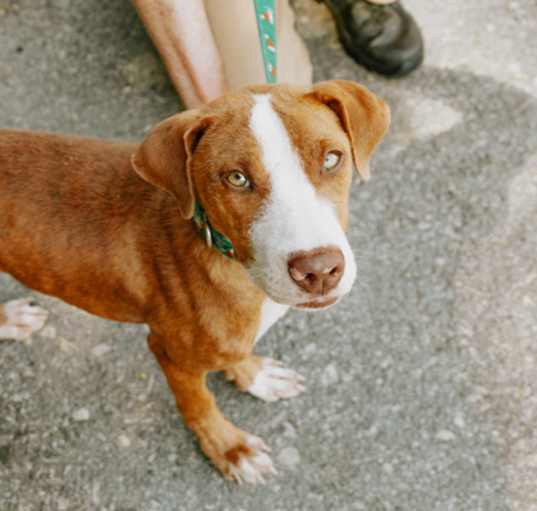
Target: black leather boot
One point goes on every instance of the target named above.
(383, 38)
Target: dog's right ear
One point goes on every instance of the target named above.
(163, 159)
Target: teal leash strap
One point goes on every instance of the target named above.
(265, 13)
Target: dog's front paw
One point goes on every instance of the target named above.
(273, 382)
(240, 456)
(249, 462)
(19, 319)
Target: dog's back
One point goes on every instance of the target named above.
(55, 192)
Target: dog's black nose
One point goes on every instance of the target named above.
(317, 271)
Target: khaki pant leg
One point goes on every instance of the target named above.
(236, 34)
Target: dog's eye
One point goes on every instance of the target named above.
(238, 179)
(331, 160)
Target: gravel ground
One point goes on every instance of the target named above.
(422, 384)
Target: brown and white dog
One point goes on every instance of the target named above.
(106, 226)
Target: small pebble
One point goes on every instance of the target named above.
(288, 430)
(63, 504)
(388, 468)
(81, 415)
(100, 350)
(289, 457)
(445, 435)
(329, 376)
(309, 349)
(459, 421)
(48, 332)
(123, 441)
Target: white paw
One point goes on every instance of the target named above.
(22, 318)
(251, 468)
(275, 382)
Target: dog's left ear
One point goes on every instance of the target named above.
(364, 117)
(164, 157)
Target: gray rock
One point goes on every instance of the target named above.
(81, 415)
(289, 457)
(329, 375)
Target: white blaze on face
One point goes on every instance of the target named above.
(294, 218)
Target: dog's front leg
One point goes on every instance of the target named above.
(238, 455)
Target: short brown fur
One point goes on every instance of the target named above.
(77, 222)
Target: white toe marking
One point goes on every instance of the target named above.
(251, 469)
(257, 443)
(275, 382)
(22, 319)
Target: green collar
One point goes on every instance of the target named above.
(212, 237)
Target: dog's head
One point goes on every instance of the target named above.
(272, 166)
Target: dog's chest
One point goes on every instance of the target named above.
(270, 313)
